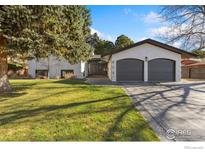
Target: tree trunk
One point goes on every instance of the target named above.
(48, 67)
(5, 85)
(4, 81)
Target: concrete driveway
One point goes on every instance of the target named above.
(176, 111)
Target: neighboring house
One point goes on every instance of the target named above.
(203, 59)
(193, 69)
(147, 60)
(189, 61)
(54, 67)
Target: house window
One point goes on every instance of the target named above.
(67, 74)
(42, 74)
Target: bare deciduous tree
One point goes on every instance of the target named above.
(186, 25)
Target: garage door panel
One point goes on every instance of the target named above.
(161, 70)
(161, 77)
(130, 70)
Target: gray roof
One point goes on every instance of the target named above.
(155, 43)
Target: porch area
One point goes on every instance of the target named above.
(96, 68)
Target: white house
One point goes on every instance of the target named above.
(54, 67)
(147, 60)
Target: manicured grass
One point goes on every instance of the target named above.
(61, 110)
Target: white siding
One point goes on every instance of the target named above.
(142, 51)
(55, 67)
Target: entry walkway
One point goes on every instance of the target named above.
(99, 80)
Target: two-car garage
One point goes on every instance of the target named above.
(146, 61)
(132, 70)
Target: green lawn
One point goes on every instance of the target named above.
(60, 110)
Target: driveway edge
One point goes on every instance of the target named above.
(154, 124)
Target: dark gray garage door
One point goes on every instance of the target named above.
(161, 70)
(130, 70)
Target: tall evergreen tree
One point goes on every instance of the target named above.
(93, 40)
(104, 47)
(39, 31)
(123, 41)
